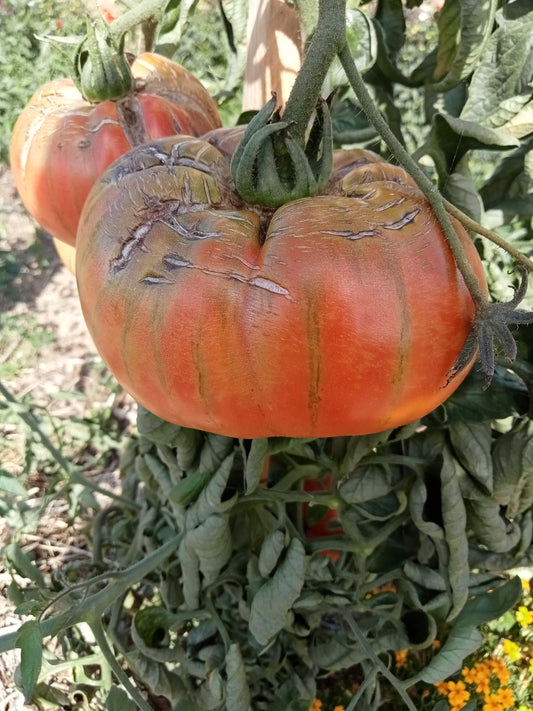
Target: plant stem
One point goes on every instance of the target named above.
(101, 640)
(373, 657)
(146, 11)
(424, 183)
(328, 40)
(73, 476)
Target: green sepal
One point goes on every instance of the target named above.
(101, 69)
(271, 168)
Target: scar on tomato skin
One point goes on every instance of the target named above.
(407, 219)
(174, 261)
(350, 234)
(135, 241)
(391, 203)
(155, 279)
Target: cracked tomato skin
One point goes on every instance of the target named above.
(61, 143)
(340, 314)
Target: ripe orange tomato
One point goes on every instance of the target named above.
(61, 143)
(340, 314)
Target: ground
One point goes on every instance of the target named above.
(46, 357)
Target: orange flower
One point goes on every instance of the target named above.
(500, 670)
(338, 708)
(442, 687)
(401, 658)
(505, 697)
(457, 694)
(470, 675)
(492, 703)
(317, 705)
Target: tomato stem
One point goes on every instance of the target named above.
(429, 189)
(147, 11)
(131, 120)
(327, 41)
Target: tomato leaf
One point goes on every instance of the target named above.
(513, 469)
(499, 93)
(464, 29)
(472, 443)
(238, 697)
(29, 640)
(271, 550)
(118, 700)
(464, 637)
(271, 606)
(454, 524)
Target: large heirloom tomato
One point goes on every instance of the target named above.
(61, 143)
(339, 314)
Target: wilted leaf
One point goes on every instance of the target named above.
(238, 697)
(472, 442)
(271, 550)
(464, 637)
(454, 523)
(30, 641)
(271, 605)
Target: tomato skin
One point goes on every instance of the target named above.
(340, 314)
(61, 143)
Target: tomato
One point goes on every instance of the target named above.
(61, 143)
(340, 314)
(320, 521)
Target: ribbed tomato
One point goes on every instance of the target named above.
(340, 314)
(61, 143)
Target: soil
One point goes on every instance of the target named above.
(45, 350)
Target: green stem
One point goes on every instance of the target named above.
(378, 664)
(73, 476)
(328, 40)
(146, 11)
(96, 605)
(429, 189)
(101, 640)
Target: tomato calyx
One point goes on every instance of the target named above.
(270, 166)
(492, 322)
(102, 70)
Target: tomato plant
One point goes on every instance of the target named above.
(61, 143)
(338, 314)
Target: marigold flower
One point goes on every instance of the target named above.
(470, 675)
(512, 650)
(524, 617)
(401, 658)
(317, 705)
(442, 687)
(457, 694)
(338, 708)
(492, 703)
(502, 672)
(505, 697)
